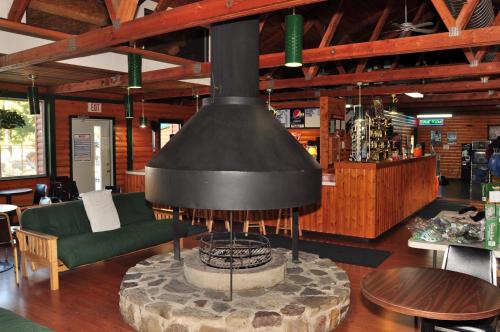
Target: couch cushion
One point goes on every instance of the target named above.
(93, 247)
(61, 219)
(10, 322)
(133, 208)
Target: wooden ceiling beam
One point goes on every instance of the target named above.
(480, 54)
(126, 11)
(170, 74)
(184, 17)
(446, 71)
(17, 10)
(415, 44)
(376, 33)
(446, 87)
(328, 36)
(444, 13)
(78, 10)
(466, 14)
(360, 50)
(111, 6)
(372, 77)
(163, 5)
(33, 31)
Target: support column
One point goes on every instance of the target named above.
(295, 235)
(177, 244)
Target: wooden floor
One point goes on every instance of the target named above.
(88, 298)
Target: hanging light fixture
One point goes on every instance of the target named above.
(143, 121)
(33, 98)
(393, 107)
(270, 108)
(134, 71)
(294, 28)
(358, 109)
(129, 105)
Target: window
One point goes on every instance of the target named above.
(22, 149)
(167, 131)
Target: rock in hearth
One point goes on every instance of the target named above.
(266, 318)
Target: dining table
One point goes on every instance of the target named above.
(432, 293)
(8, 193)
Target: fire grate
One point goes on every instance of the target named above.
(249, 250)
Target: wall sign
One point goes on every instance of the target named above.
(312, 119)
(436, 138)
(431, 122)
(452, 138)
(94, 107)
(283, 116)
(297, 118)
(82, 147)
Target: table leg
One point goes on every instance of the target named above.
(8, 199)
(434, 258)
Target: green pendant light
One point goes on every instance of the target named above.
(33, 98)
(294, 28)
(129, 105)
(143, 121)
(134, 71)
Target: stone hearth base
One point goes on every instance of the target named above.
(154, 296)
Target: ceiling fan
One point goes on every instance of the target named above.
(409, 26)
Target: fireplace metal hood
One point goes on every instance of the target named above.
(233, 154)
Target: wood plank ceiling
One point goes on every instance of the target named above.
(345, 42)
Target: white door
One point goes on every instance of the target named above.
(92, 153)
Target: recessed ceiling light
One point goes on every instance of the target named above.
(433, 116)
(414, 94)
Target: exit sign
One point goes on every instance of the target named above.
(431, 122)
(94, 107)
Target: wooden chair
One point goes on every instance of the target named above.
(287, 222)
(248, 222)
(10, 241)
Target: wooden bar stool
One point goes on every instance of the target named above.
(287, 222)
(254, 223)
(207, 214)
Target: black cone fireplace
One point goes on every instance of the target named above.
(233, 154)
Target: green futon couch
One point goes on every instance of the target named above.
(59, 236)
(10, 322)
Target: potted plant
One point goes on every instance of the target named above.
(11, 119)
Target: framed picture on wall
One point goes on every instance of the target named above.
(436, 138)
(493, 132)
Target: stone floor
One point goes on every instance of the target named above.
(315, 297)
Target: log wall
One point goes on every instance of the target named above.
(468, 127)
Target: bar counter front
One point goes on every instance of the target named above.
(365, 199)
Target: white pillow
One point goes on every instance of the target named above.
(101, 210)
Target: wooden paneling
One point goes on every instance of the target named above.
(22, 200)
(142, 138)
(468, 128)
(134, 183)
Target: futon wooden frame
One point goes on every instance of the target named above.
(40, 250)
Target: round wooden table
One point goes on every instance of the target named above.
(432, 293)
(8, 193)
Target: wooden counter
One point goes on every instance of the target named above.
(371, 198)
(365, 200)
